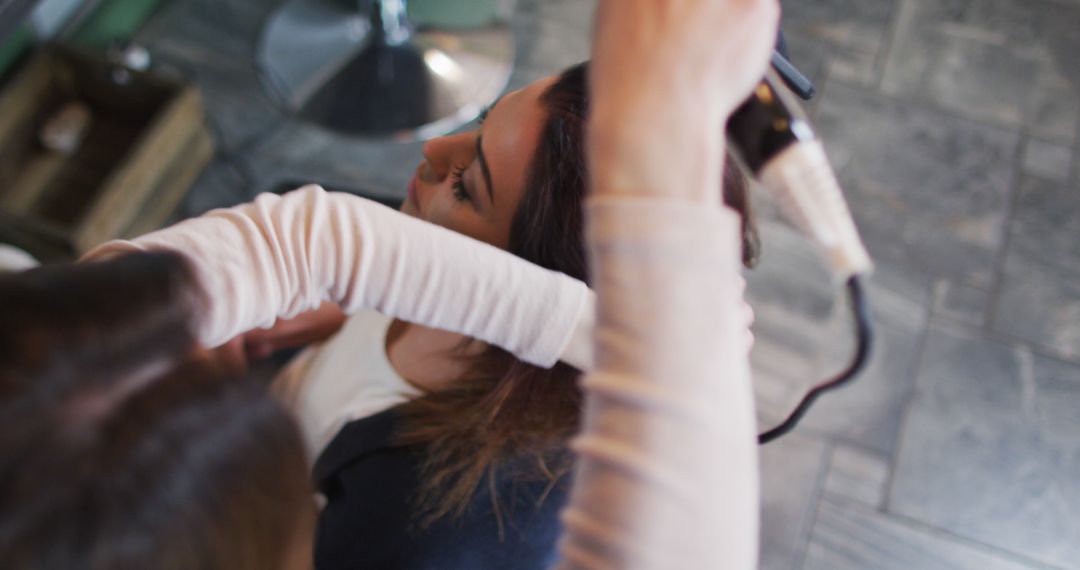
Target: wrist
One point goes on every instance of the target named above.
(674, 157)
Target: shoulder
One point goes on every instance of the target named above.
(370, 483)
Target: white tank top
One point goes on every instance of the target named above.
(345, 378)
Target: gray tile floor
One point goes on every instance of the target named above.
(953, 125)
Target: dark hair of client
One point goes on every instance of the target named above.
(121, 446)
(508, 413)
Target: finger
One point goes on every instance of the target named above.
(258, 350)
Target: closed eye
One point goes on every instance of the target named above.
(457, 182)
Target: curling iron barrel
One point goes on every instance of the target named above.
(776, 144)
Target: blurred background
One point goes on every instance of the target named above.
(952, 123)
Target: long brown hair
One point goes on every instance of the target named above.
(119, 447)
(506, 412)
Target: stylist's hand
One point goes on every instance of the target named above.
(665, 76)
(301, 330)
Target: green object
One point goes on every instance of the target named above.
(14, 47)
(459, 14)
(113, 20)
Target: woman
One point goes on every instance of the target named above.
(518, 183)
(440, 436)
(124, 445)
(634, 445)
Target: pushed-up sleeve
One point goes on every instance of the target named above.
(667, 471)
(280, 255)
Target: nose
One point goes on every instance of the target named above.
(442, 153)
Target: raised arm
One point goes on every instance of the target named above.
(667, 475)
(281, 255)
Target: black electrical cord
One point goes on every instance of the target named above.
(864, 341)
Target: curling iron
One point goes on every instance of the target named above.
(775, 144)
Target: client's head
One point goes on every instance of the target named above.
(519, 183)
(123, 444)
(520, 176)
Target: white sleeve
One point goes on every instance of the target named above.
(281, 255)
(667, 472)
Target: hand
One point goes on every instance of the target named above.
(665, 75)
(303, 329)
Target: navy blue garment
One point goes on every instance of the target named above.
(369, 483)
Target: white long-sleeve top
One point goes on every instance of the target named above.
(667, 476)
(667, 470)
(279, 256)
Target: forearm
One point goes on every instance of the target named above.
(667, 475)
(281, 255)
(668, 456)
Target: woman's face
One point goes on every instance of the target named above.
(472, 182)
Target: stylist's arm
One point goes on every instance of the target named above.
(668, 470)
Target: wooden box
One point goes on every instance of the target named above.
(142, 146)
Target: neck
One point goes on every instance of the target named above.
(428, 358)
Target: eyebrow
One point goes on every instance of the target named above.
(484, 168)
